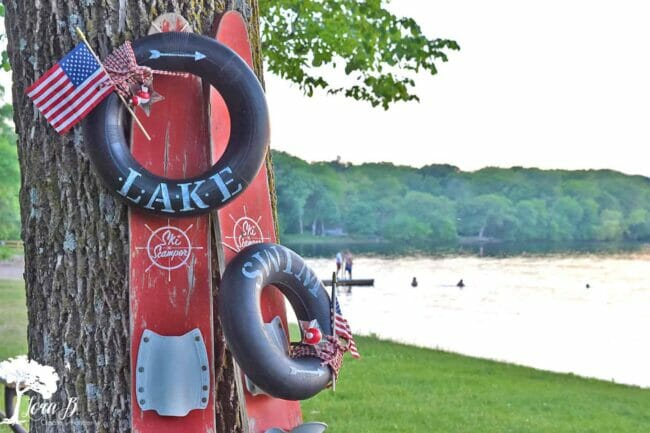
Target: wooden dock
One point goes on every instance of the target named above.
(366, 282)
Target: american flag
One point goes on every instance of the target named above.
(342, 328)
(70, 89)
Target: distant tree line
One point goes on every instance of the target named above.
(440, 203)
(435, 203)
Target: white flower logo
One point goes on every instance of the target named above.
(27, 375)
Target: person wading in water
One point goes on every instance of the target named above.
(339, 262)
(347, 258)
(348, 264)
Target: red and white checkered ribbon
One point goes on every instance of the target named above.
(330, 352)
(125, 72)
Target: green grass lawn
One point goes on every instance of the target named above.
(398, 388)
(13, 319)
(13, 328)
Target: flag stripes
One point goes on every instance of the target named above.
(343, 329)
(67, 92)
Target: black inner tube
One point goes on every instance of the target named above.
(249, 132)
(267, 365)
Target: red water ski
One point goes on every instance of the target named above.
(247, 220)
(170, 276)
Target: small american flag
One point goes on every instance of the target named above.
(343, 330)
(70, 89)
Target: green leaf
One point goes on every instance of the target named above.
(5, 61)
(299, 38)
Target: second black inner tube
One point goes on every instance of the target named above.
(266, 364)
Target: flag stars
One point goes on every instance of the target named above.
(65, 98)
(79, 64)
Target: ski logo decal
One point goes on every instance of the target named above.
(169, 247)
(246, 231)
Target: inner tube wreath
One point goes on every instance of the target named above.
(267, 365)
(249, 135)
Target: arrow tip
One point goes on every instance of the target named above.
(198, 56)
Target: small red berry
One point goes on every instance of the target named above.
(312, 336)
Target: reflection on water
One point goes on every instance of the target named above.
(533, 310)
(493, 249)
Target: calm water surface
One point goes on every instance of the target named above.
(534, 311)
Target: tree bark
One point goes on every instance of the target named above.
(75, 231)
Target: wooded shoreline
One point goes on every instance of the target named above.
(440, 203)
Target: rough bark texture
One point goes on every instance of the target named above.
(75, 232)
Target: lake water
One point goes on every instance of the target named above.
(533, 310)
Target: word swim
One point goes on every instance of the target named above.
(180, 197)
(279, 259)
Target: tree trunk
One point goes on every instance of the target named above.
(75, 231)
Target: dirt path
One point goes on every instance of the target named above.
(12, 269)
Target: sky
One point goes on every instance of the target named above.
(550, 84)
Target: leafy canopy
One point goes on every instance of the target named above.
(375, 48)
(440, 203)
(4, 59)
